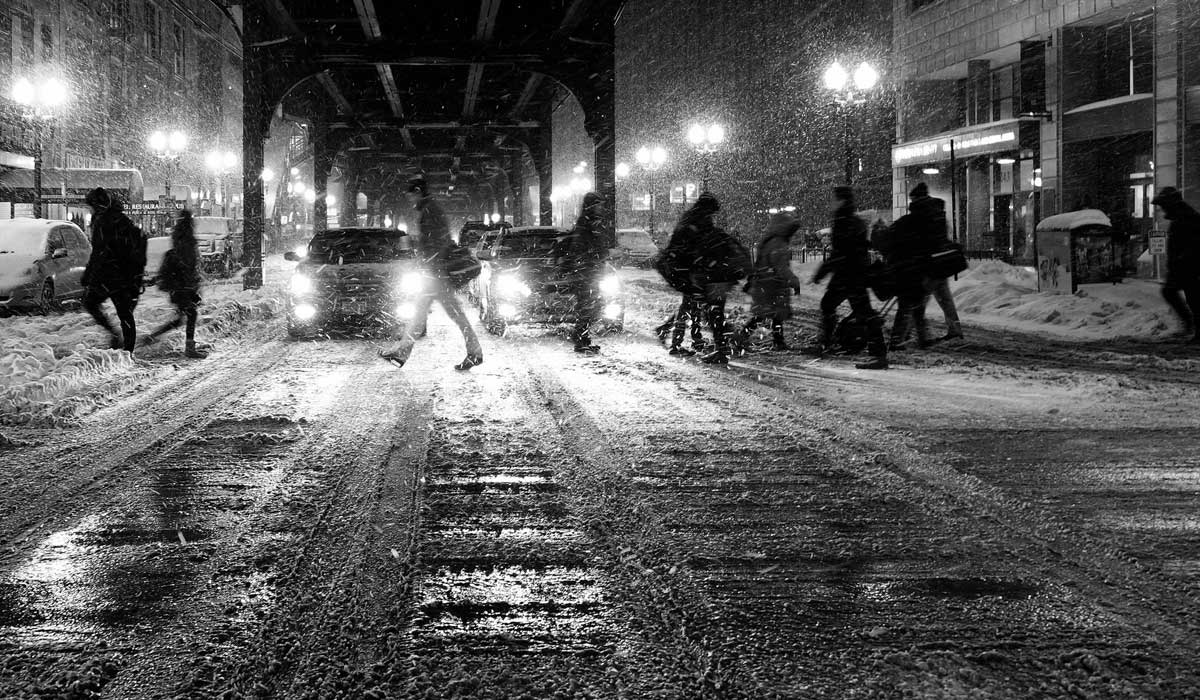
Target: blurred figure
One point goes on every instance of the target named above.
(434, 245)
(179, 277)
(1183, 259)
(583, 255)
(908, 247)
(848, 263)
(939, 239)
(114, 270)
(772, 283)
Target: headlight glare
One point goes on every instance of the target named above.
(412, 283)
(301, 284)
(612, 311)
(511, 285)
(304, 312)
(610, 285)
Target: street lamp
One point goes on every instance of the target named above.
(849, 90)
(221, 164)
(39, 101)
(706, 138)
(169, 148)
(652, 158)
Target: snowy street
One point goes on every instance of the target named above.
(302, 519)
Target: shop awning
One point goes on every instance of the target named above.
(996, 137)
(70, 184)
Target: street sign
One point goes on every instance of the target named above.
(1158, 245)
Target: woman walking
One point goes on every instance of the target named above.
(179, 277)
(773, 282)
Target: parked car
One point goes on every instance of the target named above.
(473, 231)
(520, 284)
(220, 242)
(360, 279)
(634, 247)
(41, 263)
(156, 247)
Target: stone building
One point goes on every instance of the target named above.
(131, 67)
(1046, 106)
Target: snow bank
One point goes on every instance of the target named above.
(56, 368)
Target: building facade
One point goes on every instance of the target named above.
(755, 67)
(131, 67)
(1013, 111)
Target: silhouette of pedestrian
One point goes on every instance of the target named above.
(114, 270)
(1183, 259)
(179, 277)
(584, 252)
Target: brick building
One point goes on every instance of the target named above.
(131, 67)
(1051, 106)
(754, 66)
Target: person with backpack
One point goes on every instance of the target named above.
(939, 240)
(114, 270)
(179, 277)
(1183, 260)
(772, 282)
(436, 248)
(581, 263)
(703, 262)
(910, 243)
(849, 263)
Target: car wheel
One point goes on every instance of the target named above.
(46, 302)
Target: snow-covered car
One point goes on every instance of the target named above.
(634, 247)
(220, 244)
(41, 263)
(520, 284)
(353, 279)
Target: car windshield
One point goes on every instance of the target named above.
(22, 242)
(340, 247)
(528, 245)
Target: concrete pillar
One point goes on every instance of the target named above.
(544, 164)
(322, 164)
(256, 114)
(1168, 96)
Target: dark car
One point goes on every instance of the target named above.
(473, 231)
(359, 279)
(520, 283)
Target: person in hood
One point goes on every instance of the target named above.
(850, 258)
(912, 239)
(583, 254)
(773, 282)
(114, 270)
(939, 238)
(688, 255)
(1183, 259)
(179, 277)
(434, 246)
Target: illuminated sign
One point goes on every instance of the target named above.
(971, 143)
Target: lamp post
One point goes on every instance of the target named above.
(169, 148)
(706, 138)
(39, 101)
(221, 163)
(849, 91)
(652, 158)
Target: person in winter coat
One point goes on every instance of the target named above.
(1183, 259)
(434, 246)
(939, 239)
(179, 277)
(849, 249)
(773, 282)
(690, 254)
(114, 270)
(910, 242)
(583, 254)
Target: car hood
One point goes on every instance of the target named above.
(14, 270)
(530, 269)
(361, 271)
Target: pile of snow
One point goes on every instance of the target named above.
(56, 368)
(998, 295)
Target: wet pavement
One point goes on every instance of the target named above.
(304, 520)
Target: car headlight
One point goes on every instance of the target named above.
(406, 310)
(612, 312)
(412, 283)
(301, 251)
(610, 285)
(511, 285)
(301, 284)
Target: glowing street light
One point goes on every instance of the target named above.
(40, 102)
(706, 138)
(268, 175)
(652, 158)
(622, 170)
(221, 164)
(849, 90)
(169, 148)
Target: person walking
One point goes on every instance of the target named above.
(114, 270)
(908, 246)
(938, 233)
(434, 244)
(1183, 259)
(698, 256)
(848, 263)
(584, 252)
(772, 282)
(179, 277)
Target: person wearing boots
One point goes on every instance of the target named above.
(1183, 259)
(434, 245)
(772, 283)
(114, 270)
(584, 253)
(848, 263)
(914, 237)
(179, 277)
(939, 287)
(689, 253)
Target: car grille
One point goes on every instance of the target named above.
(353, 287)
